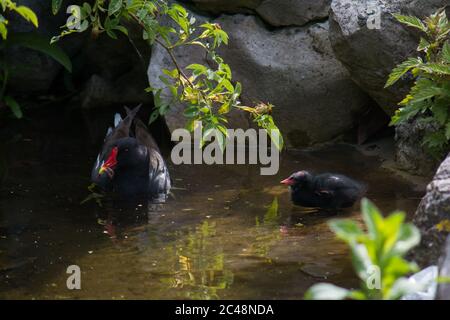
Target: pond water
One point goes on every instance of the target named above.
(227, 232)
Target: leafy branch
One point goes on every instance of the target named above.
(429, 97)
(209, 93)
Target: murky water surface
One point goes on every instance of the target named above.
(227, 233)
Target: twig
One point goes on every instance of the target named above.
(172, 57)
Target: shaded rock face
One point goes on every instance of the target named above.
(432, 211)
(225, 6)
(274, 12)
(293, 12)
(32, 71)
(443, 292)
(409, 153)
(293, 68)
(371, 54)
(106, 71)
(113, 71)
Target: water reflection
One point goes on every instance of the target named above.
(228, 234)
(198, 262)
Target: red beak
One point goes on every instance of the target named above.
(288, 181)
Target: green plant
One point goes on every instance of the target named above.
(429, 97)
(207, 91)
(29, 40)
(377, 256)
(23, 11)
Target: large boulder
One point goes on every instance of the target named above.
(432, 217)
(225, 6)
(370, 51)
(293, 12)
(293, 68)
(274, 12)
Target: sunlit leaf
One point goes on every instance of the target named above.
(14, 106)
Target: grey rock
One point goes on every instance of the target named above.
(225, 6)
(433, 209)
(410, 155)
(371, 53)
(443, 292)
(293, 12)
(274, 12)
(293, 68)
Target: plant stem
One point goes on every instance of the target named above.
(172, 57)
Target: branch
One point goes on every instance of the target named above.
(172, 57)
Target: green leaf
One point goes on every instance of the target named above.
(14, 106)
(3, 30)
(372, 217)
(153, 116)
(225, 108)
(326, 291)
(446, 52)
(346, 230)
(401, 69)
(114, 6)
(56, 5)
(40, 43)
(408, 238)
(403, 287)
(423, 45)
(423, 89)
(440, 112)
(361, 260)
(411, 21)
(437, 68)
(28, 15)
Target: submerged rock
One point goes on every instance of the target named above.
(432, 217)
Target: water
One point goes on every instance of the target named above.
(227, 233)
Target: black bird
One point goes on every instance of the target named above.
(130, 163)
(327, 190)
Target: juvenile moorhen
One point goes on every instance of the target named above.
(327, 190)
(130, 163)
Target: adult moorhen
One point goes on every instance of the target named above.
(327, 190)
(130, 163)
